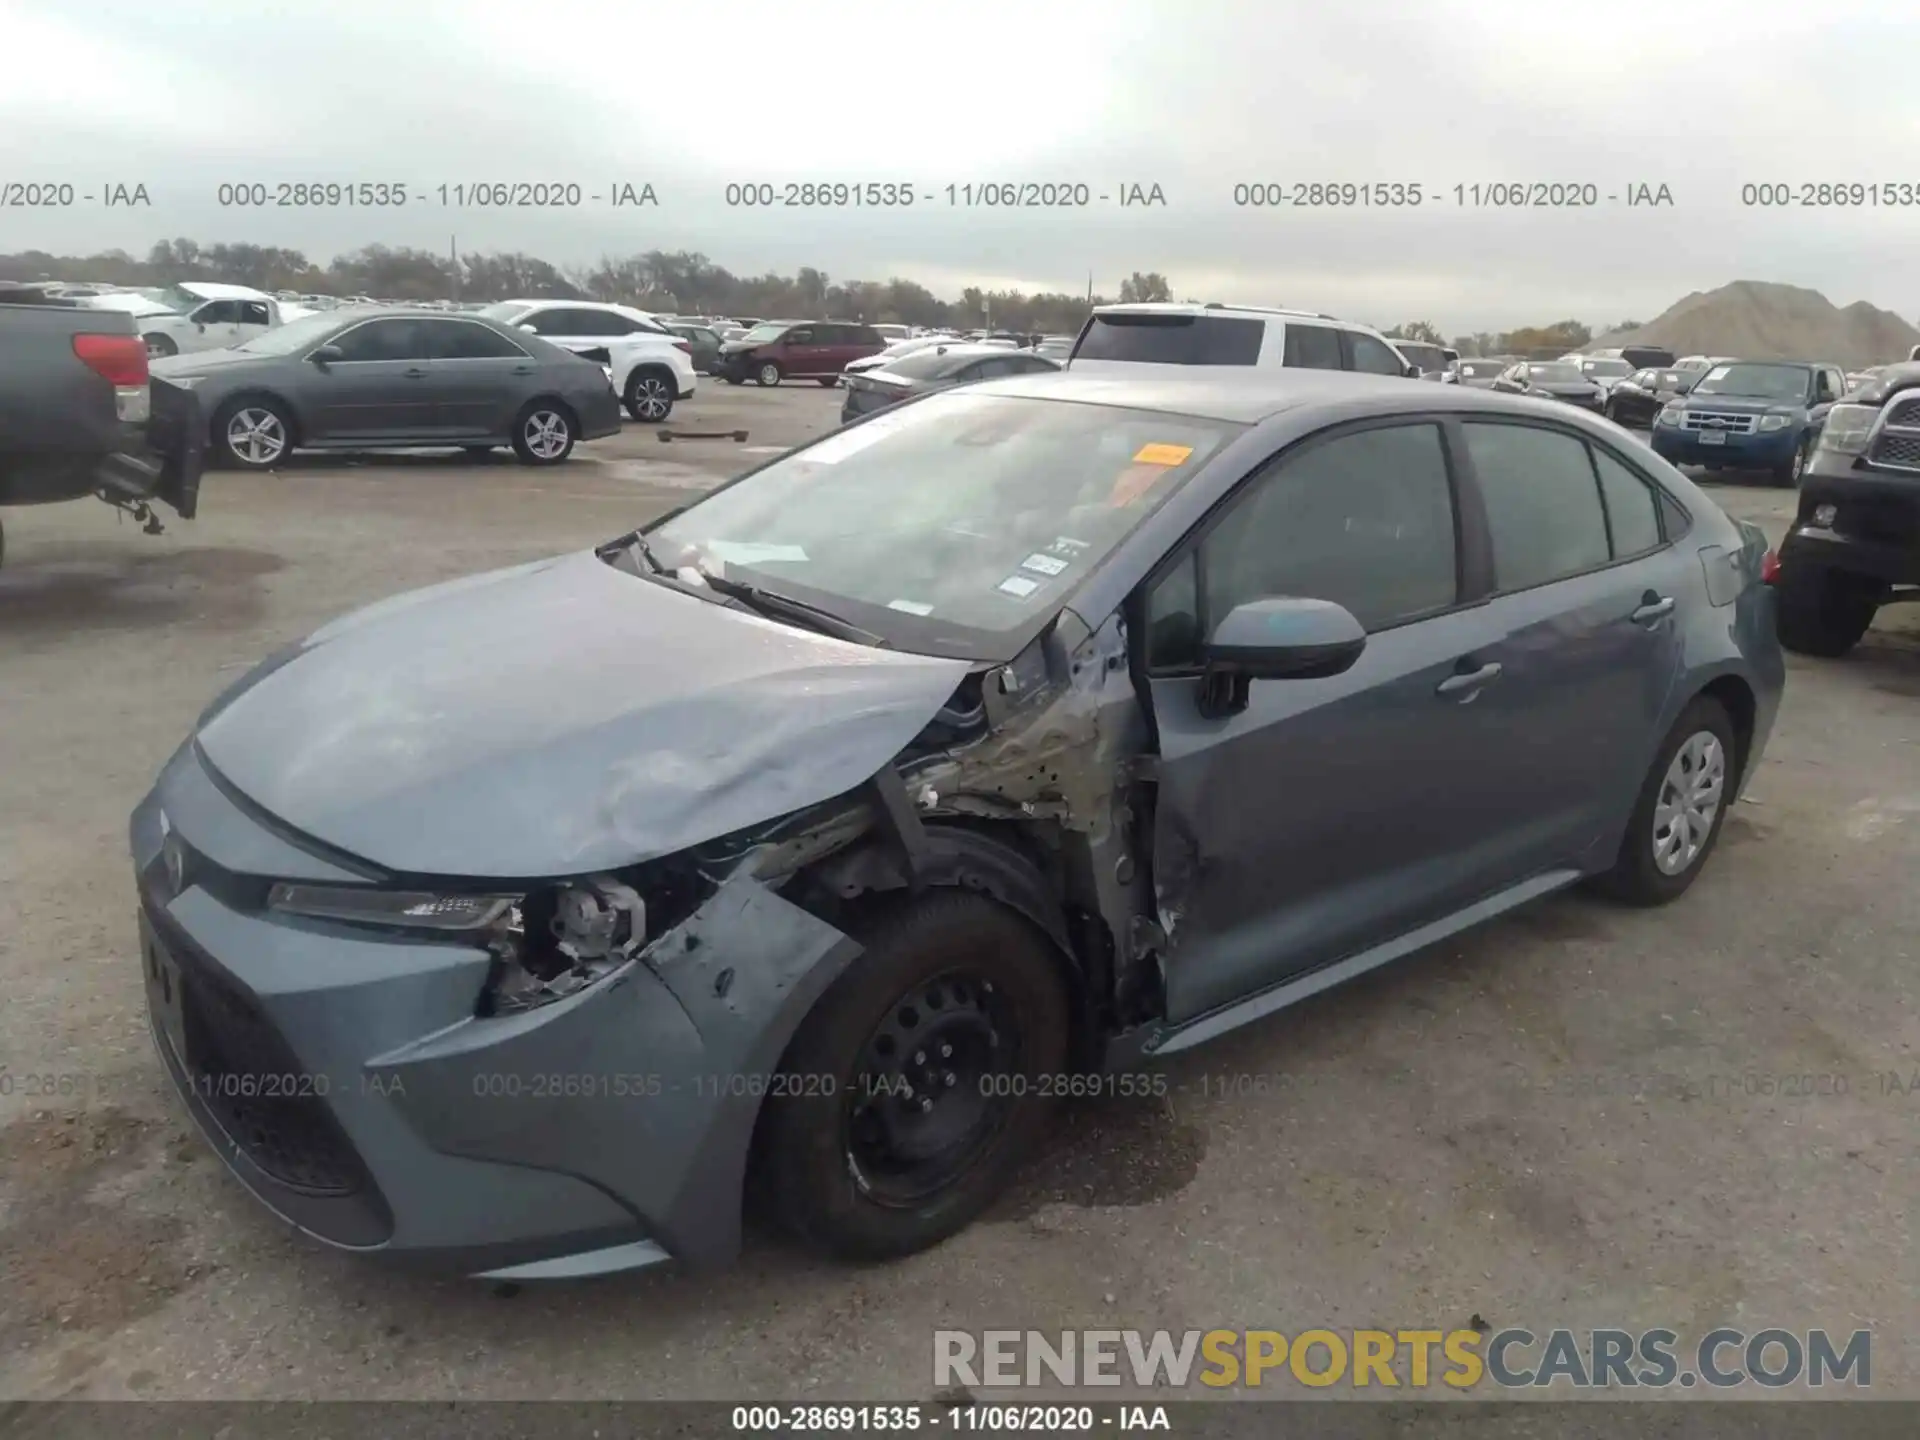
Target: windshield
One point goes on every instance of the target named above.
(1552, 374)
(1763, 382)
(294, 336)
(1482, 369)
(761, 334)
(1607, 369)
(506, 311)
(1427, 357)
(947, 521)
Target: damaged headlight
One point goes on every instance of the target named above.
(547, 943)
(410, 909)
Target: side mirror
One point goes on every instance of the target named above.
(327, 354)
(1283, 638)
(1412, 372)
(526, 326)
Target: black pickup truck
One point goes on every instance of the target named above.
(81, 416)
(1855, 541)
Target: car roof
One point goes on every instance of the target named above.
(1215, 307)
(1246, 395)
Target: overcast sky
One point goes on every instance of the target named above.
(1194, 96)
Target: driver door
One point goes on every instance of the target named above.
(1329, 814)
(216, 326)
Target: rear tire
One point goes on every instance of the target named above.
(865, 1170)
(650, 395)
(829, 381)
(543, 433)
(1824, 612)
(1673, 830)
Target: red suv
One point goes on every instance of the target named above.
(777, 350)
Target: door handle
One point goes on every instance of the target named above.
(416, 373)
(1465, 687)
(1653, 610)
(523, 369)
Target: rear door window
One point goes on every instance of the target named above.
(1543, 503)
(1153, 339)
(1313, 347)
(1371, 356)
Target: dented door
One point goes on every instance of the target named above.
(1328, 816)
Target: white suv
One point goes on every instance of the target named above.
(1214, 334)
(649, 365)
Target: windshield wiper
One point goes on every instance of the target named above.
(785, 607)
(633, 547)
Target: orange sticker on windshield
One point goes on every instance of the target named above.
(1162, 454)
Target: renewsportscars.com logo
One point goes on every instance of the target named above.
(1462, 1359)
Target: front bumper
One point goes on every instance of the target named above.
(1875, 529)
(1759, 451)
(343, 1075)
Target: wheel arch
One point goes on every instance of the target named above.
(556, 401)
(1736, 696)
(991, 857)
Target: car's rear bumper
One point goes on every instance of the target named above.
(159, 459)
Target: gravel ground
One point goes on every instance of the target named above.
(1570, 1117)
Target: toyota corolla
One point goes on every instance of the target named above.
(793, 846)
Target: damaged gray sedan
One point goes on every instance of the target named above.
(793, 848)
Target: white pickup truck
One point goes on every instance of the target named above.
(199, 315)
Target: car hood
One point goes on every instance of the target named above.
(1564, 387)
(740, 347)
(559, 718)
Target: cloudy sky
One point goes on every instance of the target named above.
(1194, 96)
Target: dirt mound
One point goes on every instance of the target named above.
(1758, 320)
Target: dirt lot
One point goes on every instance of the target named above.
(1573, 1117)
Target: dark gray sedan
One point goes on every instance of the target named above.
(797, 845)
(395, 379)
(936, 367)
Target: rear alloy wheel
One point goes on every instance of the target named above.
(1682, 805)
(917, 1079)
(543, 435)
(768, 374)
(649, 396)
(252, 434)
(1818, 611)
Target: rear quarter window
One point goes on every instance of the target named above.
(1172, 339)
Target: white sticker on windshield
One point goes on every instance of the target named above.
(1044, 564)
(1018, 585)
(747, 552)
(1067, 546)
(912, 607)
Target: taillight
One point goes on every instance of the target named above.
(683, 347)
(119, 359)
(1769, 568)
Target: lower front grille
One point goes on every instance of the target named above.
(233, 1062)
